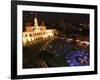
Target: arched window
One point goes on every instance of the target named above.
(30, 35)
(33, 34)
(26, 35)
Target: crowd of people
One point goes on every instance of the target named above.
(67, 52)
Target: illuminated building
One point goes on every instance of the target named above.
(33, 33)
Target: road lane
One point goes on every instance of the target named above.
(31, 53)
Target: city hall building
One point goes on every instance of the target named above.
(36, 32)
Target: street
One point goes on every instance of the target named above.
(31, 53)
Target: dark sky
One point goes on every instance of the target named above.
(50, 17)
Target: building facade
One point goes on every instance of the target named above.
(33, 33)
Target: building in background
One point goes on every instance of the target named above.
(33, 33)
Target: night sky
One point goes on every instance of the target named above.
(50, 18)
